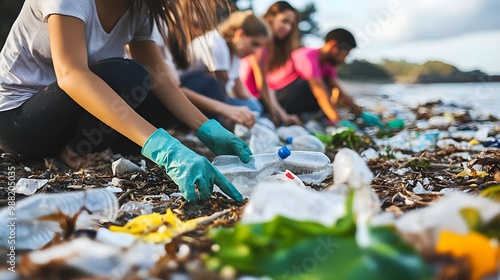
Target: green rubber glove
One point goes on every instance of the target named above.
(186, 168)
(371, 119)
(348, 124)
(222, 142)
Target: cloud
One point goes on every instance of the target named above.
(408, 20)
(467, 52)
(430, 19)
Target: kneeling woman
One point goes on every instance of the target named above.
(62, 89)
(218, 53)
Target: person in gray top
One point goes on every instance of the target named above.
(66, 89)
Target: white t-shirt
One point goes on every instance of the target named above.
(25, 60)
(167, 55)
(211, 50)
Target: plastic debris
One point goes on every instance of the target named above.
(351, 170)
(471, 172)
(124, 166)
(244, 176)
(99, 259)
(29, 186)
(291, 131)
(42, 217)
(445, 215)
(263, 139)
(159, 228)
(142, 208)
(296, 203)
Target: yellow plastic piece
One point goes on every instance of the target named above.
(156, 227)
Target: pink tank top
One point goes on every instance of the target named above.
(304, 63)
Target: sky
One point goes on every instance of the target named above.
(464, 33)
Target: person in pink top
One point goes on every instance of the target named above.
(308, 81)
(283, 21)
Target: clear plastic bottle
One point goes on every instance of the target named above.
(306, 143)
(32, 232)
(310, 167)
(266, 122)
(263, 139)
(291, 131)
(246, 175)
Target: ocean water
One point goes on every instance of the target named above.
(483, 98)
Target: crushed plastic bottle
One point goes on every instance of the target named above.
(263, 139)
(244, 176)
(32, 232)
(271, 199)
(291, 131)
(306, 143)
(310, 167)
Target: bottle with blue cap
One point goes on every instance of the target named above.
(246, 175)
(291, 131)
(306, 143)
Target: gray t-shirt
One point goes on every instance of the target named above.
(26, 62)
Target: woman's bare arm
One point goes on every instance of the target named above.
(267, 96)
(69, 55)
(237, 114)
(164, 87)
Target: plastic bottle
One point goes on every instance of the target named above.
(263, 139)
(32, 232)
(246, 175)
(306, 143)
(310, 167)
(266, 122)
(291, 131)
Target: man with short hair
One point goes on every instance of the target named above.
(308, 82)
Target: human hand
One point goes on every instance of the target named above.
(371, 119)
(289, 119)
(194, 174)
(240, 114)
(222, 142)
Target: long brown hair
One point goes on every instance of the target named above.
(184, 19)
(247, 21)
(281, 49)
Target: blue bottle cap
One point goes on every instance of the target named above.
(289, 140)
(284, 152)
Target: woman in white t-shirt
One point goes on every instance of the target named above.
(65, 88)
(219, 52)
(207, 93)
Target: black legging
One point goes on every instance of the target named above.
(204, 83)
(297, 98)
(50, 119)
